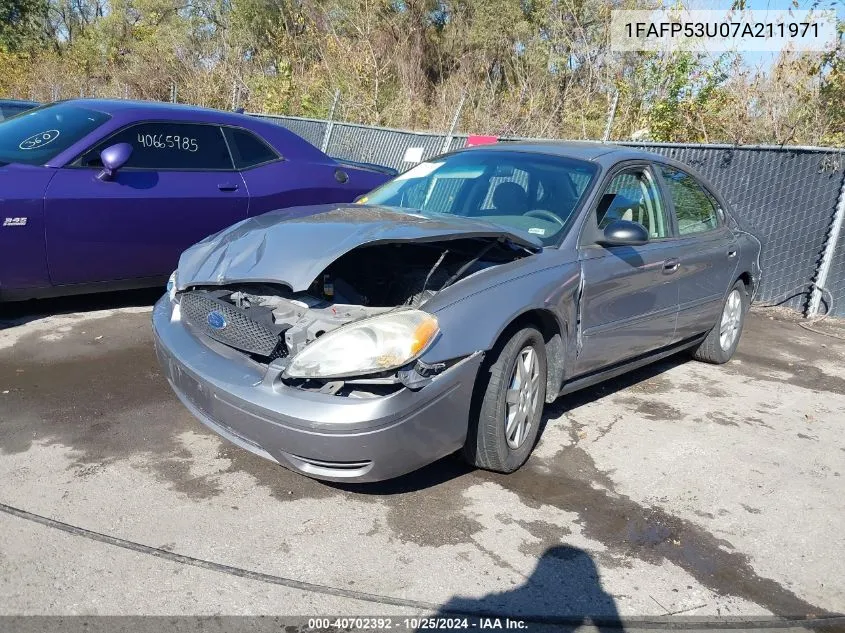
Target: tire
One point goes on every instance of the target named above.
(713, 348)
(487, 445)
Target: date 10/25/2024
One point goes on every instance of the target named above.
(168, 141)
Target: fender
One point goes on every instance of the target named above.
(475, 322)
(23, 251)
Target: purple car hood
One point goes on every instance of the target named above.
(293, 246)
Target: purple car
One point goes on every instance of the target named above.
(13, 107)
(105, 195)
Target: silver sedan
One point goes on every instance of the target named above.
(358, 342)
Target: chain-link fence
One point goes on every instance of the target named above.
(834, 279)
(312, 130)
(364, 143)
(786, 196)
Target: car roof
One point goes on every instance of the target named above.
(594, 151)
(124, 111)
(157, 108)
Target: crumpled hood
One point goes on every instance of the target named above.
(293, 246)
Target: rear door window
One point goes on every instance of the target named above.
(168, 146)
(248, 150)
(695, 209)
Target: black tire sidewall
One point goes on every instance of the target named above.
(494, 404)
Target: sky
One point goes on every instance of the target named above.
(759, 59)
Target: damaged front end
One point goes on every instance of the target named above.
(359, 329)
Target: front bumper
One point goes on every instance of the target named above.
(322, 436)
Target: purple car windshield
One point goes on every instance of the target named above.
(529, 192)
(35, 137)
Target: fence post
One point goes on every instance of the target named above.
(327, 135)
(827, 257)
(236, 95)
(447, 140)
(610, 118)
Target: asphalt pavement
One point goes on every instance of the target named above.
(682, 488)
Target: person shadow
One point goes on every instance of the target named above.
(563, 593)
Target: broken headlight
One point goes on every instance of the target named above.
(381, 343)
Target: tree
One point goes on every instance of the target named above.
(522, 67)
(22, 24)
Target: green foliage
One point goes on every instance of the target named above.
(832, 93)
(682, 90)
(22, 25)
(523, 67)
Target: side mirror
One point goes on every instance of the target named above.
(624, 233)
(114, 157)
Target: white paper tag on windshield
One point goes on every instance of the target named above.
(413, 154)
(420, 171)
(537, 231)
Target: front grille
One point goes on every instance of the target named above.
(238, 329)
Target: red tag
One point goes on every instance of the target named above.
(481, 140)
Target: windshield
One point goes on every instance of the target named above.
(532, 193)
(39, 135)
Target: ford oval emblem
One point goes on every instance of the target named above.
(216, 320)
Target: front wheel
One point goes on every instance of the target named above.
(512, 391)
(722, 340)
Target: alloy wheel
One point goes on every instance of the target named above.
(522, 397)
(731, 320)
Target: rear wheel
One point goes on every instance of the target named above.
(511, 392)
(722, 340)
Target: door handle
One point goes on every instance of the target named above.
(731, 254)
(227, 186)
(671, 265)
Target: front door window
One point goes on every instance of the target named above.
(633, 195)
